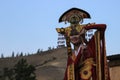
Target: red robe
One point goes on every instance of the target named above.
(89, 65)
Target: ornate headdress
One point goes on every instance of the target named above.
(72, 13)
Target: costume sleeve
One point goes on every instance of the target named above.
(99, 27)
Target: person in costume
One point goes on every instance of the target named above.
(87, 61)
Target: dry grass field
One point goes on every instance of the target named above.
(50, 65)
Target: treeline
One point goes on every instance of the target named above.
(16, 55)
(39, 51)
(21, 71)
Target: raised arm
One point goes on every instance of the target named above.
(100, 27)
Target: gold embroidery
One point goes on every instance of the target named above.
(70, 72)
(89, 61)
(78, 28)
(85, 71)
(73, 56)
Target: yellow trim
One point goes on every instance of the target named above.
(70, 72)
(73, 56)
(98, 56)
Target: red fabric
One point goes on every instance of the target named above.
(100, 27)
(90, 52)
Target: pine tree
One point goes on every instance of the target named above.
(24, 71)
(8, 74)
(2, 56)
(38, 51)
(13, 54)
(21, 54)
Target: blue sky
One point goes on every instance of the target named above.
(28, 25)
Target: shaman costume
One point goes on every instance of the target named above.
(88, 60)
